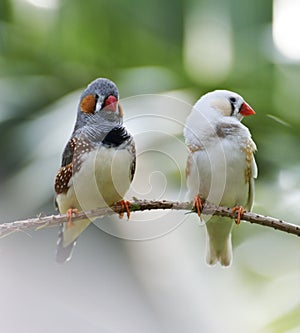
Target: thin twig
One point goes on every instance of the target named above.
(141, 205)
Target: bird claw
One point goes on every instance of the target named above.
(240, 211)
(125, 205)
(197, 205)
(70, 213)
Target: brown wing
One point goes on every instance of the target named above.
(68, 153)
(65, 172)
(71, 162)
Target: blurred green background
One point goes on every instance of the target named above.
(175, 50)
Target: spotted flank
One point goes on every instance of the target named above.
(82, 147)
(62, 178)
(73, 154)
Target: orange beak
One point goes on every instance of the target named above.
(111, 103)
(246, 110)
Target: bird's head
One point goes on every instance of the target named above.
(227, 103)
(99, 102)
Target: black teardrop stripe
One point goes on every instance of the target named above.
(116, 137)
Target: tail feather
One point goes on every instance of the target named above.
(219, 247)
(63, 253)
(211, 255)
(67, 237)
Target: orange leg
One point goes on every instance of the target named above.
(70, 213)
(197, 205)
(240, 211)
(125, 205)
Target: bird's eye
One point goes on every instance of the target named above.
(232, 99)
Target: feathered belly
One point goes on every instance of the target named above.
(219, 177)
(103, 178)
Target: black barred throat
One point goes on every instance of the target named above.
(116, 137)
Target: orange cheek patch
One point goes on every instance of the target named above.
(88, 104)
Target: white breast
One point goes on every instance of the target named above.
(103, 178)
(217, 171)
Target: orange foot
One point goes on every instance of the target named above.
(240, 211)
(197, 205)
(125, 205)
(70, 213)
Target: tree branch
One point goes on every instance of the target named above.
(142, 205)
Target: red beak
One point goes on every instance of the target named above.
(110, 103)
(246, 110)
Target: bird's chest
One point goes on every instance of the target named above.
(219, 171)
(101, 178)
